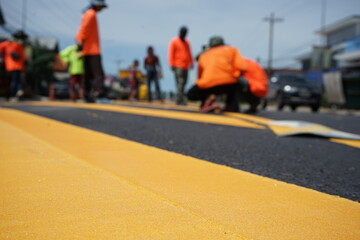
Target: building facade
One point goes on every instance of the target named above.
(336, 63)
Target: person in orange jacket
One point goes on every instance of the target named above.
(218, 70)
(88, 42)
(13, 54)
(253, 84)
(180, 60)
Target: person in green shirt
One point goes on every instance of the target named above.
(74, 59)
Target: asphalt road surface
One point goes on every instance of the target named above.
(308, 161)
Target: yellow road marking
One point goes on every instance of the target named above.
(351, 143)
(251, 118)
(195, 117)
(231, 119)
(279, 130)
(46, 193)
(245, 204)
(165, 105)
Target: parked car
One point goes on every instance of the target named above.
(62, 89)
(293, 89)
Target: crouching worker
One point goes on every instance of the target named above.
(218, 71)
(253, 85)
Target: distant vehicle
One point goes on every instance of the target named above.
(61, 88)
(293, 89)
(120, 86)
(62, 85)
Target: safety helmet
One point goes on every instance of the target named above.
(216, 41)
(19, 34)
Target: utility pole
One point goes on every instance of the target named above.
(272, 20)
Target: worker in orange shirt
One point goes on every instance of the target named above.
(88, 41)
(218, 70)
(13, 54)
(180, 61)
(253, 85)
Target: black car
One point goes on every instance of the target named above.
(295, 90)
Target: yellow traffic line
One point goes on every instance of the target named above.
(194, 117)
(230, 119)
(251, 118)
(283, 130)
(46, 193)
(351, 143)
(240, 204)
(166, 104)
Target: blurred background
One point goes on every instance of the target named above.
(313, 37)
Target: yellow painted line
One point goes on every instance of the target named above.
(195, 117)
(250, 118)
(231, 119)
(167, 104)
(239, 203)
(46, 193)
(351, 143)
(280, 130)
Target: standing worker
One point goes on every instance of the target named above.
(153, 73)
(253, 85)
(73, 57)
(218, 71)
(88, 42)
(13, 54)
(180, 60)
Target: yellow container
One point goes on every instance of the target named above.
(143, 92)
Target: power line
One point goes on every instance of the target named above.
(60, 18)
(66, 10)
(12, 12)
(24, 11)
(290, 8)
(34, 25)
(16, 11)
(297, 48)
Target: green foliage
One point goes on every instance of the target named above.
(40, 66)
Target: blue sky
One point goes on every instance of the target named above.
(128, 27)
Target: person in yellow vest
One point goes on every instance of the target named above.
(73, 57)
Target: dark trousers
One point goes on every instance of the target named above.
(230, 90)
(181, 76)
(76, 86)
(93, 77)
(246, 95)
(153, 77)
(15, 82)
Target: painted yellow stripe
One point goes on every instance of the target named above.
(251, 118)
(46, 193)
(245, 205)
(351, 143)
(231, 119)
(195, 117)
(167, 104)
(279, 130)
